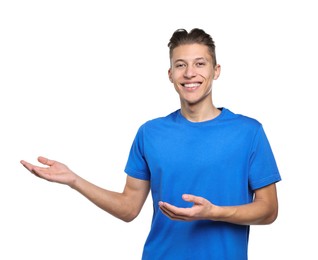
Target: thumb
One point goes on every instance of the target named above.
(192, 198)
(45, 161)
(188, 197)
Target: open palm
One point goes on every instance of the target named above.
(54, 172)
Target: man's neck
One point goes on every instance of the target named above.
(199, 114)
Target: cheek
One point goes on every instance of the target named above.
(176, 88)
(207, 76)
(176, 75)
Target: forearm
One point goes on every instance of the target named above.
(255, 213)
(114, 203)
(125, 206)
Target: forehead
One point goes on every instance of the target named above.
(191, 52)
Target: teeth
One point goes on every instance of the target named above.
(192, 85)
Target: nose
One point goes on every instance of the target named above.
(189, 72)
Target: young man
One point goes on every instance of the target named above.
(211, 172)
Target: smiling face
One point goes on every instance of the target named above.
(192, 72)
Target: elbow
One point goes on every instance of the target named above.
(271, 217)
(130, 216)
(127, 219)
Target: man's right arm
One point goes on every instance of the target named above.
(124, 205)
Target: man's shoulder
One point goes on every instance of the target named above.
(161, 119)
(239, 118)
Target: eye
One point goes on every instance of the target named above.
(180, 65)
(200, 64)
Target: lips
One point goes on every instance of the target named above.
(191, 85)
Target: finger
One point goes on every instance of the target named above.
(30, 167)
(171, 215)
(27, 165)
(192, 198)
(45, 161)
(168, 206)
(174, 211)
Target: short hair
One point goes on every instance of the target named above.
(196, 35)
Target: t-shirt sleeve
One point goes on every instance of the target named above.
(263, 169)
(136, 165)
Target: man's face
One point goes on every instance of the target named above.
(192, 72)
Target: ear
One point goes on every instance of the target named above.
(217, 71)
(169, 75)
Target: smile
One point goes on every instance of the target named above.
(191, 86)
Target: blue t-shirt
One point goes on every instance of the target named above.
(223, 160)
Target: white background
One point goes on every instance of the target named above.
(77, 78)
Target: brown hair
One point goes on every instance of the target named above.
(181, 36)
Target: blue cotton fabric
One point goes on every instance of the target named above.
(223, 160)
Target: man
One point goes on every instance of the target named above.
(211, 172)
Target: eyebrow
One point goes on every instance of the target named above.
(196, 59)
